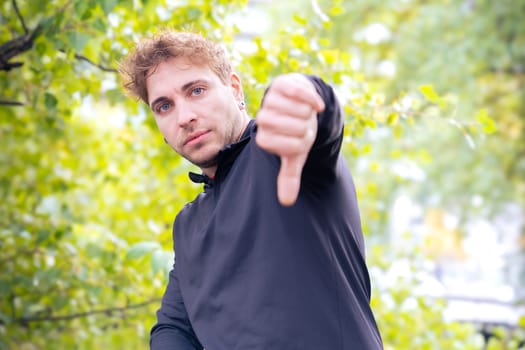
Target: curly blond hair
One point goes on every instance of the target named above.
(150, 52)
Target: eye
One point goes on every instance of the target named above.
(163, 107)
(197, 91)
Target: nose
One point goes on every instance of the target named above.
(184, 114)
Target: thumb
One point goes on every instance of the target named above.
(289, 179)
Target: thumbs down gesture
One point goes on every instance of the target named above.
(287, 127)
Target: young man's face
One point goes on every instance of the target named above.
(195, 111)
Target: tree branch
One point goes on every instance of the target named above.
(23, 43)
(15, 47)
(15, 5)
(108, 311)
(10, 103)
(99, 66)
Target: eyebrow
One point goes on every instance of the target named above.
(185, 87)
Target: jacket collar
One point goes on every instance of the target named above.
(227, 156)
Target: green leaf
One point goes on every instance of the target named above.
(329, 56)
(77, 40)
(488, 124)
(140, 249)
(82, 9)
(4, 319)
(299, 19)
(194, 13)
(336, 10)
(52, 25)
(100, 25)
(161, 260)
(41, 47)
(108, 5)
(521, 322)
(50, 101)
(392, 118)
(429, 93)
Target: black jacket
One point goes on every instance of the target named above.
(251, 274)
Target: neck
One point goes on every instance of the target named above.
(245, 121)
(210, 171)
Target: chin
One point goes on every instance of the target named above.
(204, 155)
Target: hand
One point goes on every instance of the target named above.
(287, 127)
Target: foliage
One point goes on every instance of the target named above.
(463, 56)
(409, 316)
(80, 192)
(86, 218)
(452, 73)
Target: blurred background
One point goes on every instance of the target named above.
(434, 98)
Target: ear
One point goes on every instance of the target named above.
(236, 86)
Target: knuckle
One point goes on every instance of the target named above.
(295, 145)
(264, 140)
(264, 117)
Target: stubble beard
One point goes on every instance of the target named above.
(212, 161)
(205, 163)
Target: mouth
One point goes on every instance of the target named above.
(195, 137)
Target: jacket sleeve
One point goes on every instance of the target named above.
(173, 329)
(322, 159)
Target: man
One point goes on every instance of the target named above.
(271, 254)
